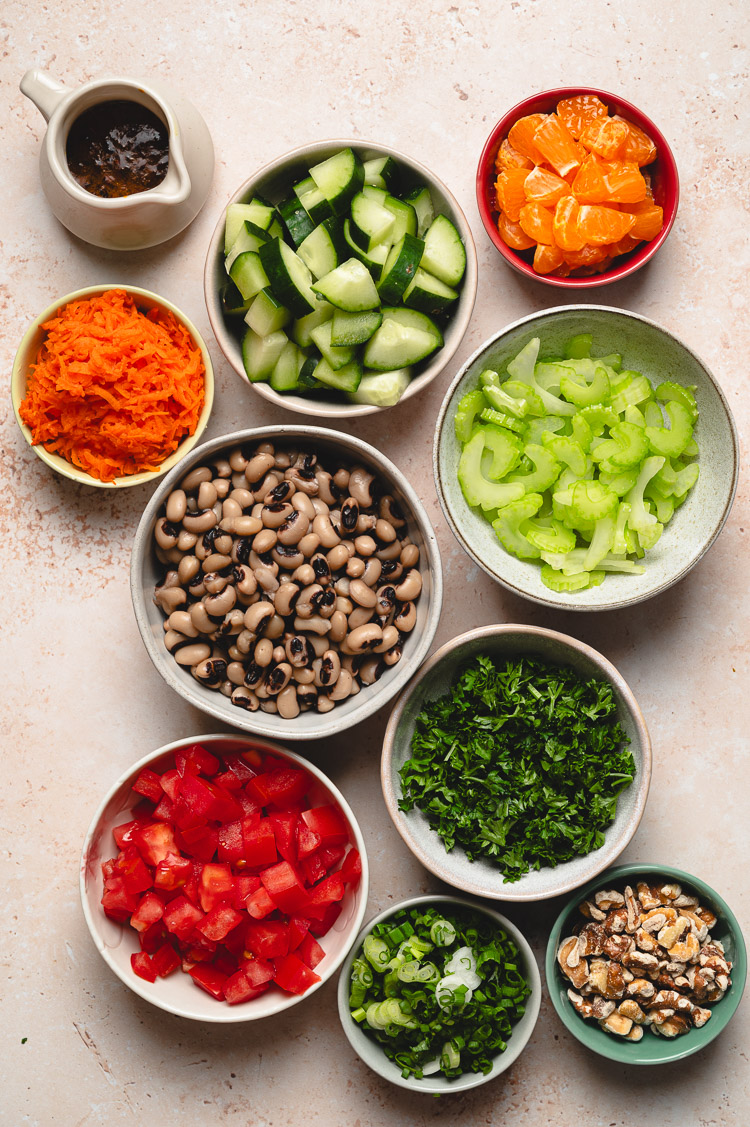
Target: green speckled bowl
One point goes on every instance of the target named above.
(660, 355)
(650, 1049)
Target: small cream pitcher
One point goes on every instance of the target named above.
(142, 219)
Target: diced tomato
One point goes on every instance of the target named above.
(170, 783)
(196, 760)
(163, 811)
(209, 979)
(181, 917)
(196, 954)
(351, 870)
(231, 843)
(260, 842)
(320, 927)
(165, 960)
(259, 904)
(143, 966)
(200, 842)
(245, 884)
(225, 962)
(298, 929)
(310, 951)
(216, 886)
(150, 909)
(118, 903)
(293, 976)
(154, 842)
(258, 970)
(172, 872)
(148, 784)
(191, 888)
(131, 868)
(281, 787)
(248, 803)
(284, 824)
(219, 922)
(329, 890)
(197, 796)
(313, 868)
(123, 834)
(307, 840)
(285, 888)
(228, 780)
(153, 937)
(268, 939)
(330, 855)
(237, 765)
(239, 988)
(328, 824)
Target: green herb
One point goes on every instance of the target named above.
(520, 762)
(447, 1006)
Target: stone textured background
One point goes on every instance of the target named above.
(80, 700)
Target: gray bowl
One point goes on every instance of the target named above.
(145, 571)
(372, 1053)
(274, 182)
(482, 877)
(659, 355)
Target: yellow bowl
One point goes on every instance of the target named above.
(29, 348)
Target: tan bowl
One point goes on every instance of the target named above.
(29, 347)
(482, 877)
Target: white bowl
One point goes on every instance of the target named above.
(117, 942)
(274, 182)
(372, 1053)
(145, 572)
(660, 355)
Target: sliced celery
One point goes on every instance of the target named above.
(567, 450)
(556, 581)
(468, 408)
(545, 473)
(670, 442)
(490, 415)
(476, 488)
(587, 384)
(674, 392)
(627, 446)
(508, 523)
(505, 449)
(579, 346)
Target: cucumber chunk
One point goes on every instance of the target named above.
(428, 294)
(400, 268)
(413, 319)
(248, 274)
(382, 389)
(257, 212)
(312, 199)
(374, 260)
(396, 345)
(444, 253)
(336, 357)
(260, 354)
(349, 286)
(339, 178)
(288, 277)
(266, 314)
(370, 222)
(303, 326)
(345, 379)
(295, 220)
(421, 200)
(382, 172)
(285, 375)
(324, 248)
(233, 303)
(249, 237)
(349, 329)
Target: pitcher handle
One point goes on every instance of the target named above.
(43, 90)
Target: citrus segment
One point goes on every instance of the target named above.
(565, 224)
(605, 137)
(547, 258)
(508, 157)
(557, 146)
(649, 219)
(536, 221)
(637, 145)
(510, 192)
(623, 182)
(577, 112)
(545, 187)
(588, 185)
(601, 225)
(624, 245)
(587, 256)
(512, 235)
(521, 136)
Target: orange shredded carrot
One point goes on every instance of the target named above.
(114, 390)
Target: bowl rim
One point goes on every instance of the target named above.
(55, 461)
(442, 421)
(315, 408)
(615, 1048)
(502, 1061)
(226, 1015)
(510, 893)
(256, 723)
(616, 273)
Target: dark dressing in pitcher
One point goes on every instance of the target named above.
(118, 148)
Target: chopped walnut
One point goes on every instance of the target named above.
(607, 900)
(673, 1026)
(633, 910)
(591, 939)
(673, 932)
(577, 973)
(618, 945)
(636, 1033)
(591, 911)
(641, 988)
(618, 1024)
(616, 921)
(648, 896)
(686, 950)
(630, 1008)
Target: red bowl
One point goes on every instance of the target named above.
(664, 183)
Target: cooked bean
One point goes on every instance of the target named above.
(372, 572)
(211, 672)
(266, 579)
(176, 506)
(222, 468)
(319, 643)
(237, 460)
(287, 556)
(278, 678)
(298, 650)
(166, 533)
(338, 557)
(323, 528)
(257, 616)
(230, 508)
(409, 555)
(302, 503)
(186, 541)
(192, 481)
(303, 575)
(269, 482)
(324, 703)
(187, 569)
(393, 656)
(218, 605)
(244, 698)
(324, 487)
(329, 669)
(303, 675)
(264, 541)
(406, 619)
(216, 562)
(339, 626)
(359, 616)
(343, 686)
(364, 638)
(214, 582)
(169, 598)
(410, 586)
(362, 594)
(269, 706)
(341, 479)
(389, 552)
(258, 467)
(276, 514)
(309, 544)
(279, 655)
(349, 516)
(392, 571)
(200, 521)
(294, 527)
(263, 652)
(371, 670)
(307, 695)
(360, 486)
(236, 672)
(314, 624)
(242, 525)
(285, 598)
(355, 568)
(244, 579)
(207, 495)
(287, 702)
(276, 627)
(390, 638)
(321, 569)
(242, 496)
(222, 485)
(365, 524)
(192, 654)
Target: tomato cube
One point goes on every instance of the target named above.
(322, 925)
(148, 784)
(259, 842)
(118, 903)
(284, 824)
(123, 834)
(328, 823)
(170, 783)
(181, 917)
(150, 909)
(249, 804)
(153, 937)
(310, 951)
(237, 765)
(196, 760)
(281, 787)
(285, 888)
(313, 868)
(329, 890)
(172, 872)
(228, 780)
(307, 840)
(245, 884)
(154, 842)
(163, 811)
(216, 886)
(209, 979)
(298, 929)
(165, 960)
(268, 939)
(351, 870)
(238, 988)
(258, 970)
(219, 922)
(131, 868)
(143, 966)
(200, 842)
(259, 904)
(231, 843)
(293, 976)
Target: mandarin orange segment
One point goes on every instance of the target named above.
(649, 219)
(623, 181)
(601, 225)
(577, 112)
(536, 221)
(565, 224)
(512, 235)
(521, 136)
(508, 157)
(624, 245)
(545, 187)
(547, 258)
(588, 185)
(637, 146)
(605, 137)
(557, 146)
(587, 256)
(510, 192)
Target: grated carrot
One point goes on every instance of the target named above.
(113, 390)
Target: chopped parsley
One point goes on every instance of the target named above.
(521, 762)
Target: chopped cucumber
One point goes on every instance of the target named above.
(312, 199)
(257, 212)
(444, 253)
(370, 223)
(347, 378)
(374, 260)
(295, 220)
(382, 172)
(303, 326)
(421, 200)
(249, 237)
(232, 301)
(248, 274)
(404, 216)
(349, 286)
(382, 389)
(266, 314)
(354, 328)
(260, 354)
(288, 277)
(285, 374)
(400, 268)
(428, 294)
(324, 248)
(396, 345)
(337, 357)
(339, 178)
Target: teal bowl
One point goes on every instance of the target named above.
(650, 1049)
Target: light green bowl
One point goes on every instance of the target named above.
(660, 355)
(650, 1049)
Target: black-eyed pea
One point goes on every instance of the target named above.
(166, 534)
(364, 638)
(360, 616)
(307, 696)
(338, 557)
(390, 639)
(309, 545)
(285, 598)
(361, 594)
(371, 670)
(355, 689)
(200, 618)
(257, 616)
(298, 651)
(314, 624)
(218, 605)
(324, 703)
(345, 605)
(365, 546)
(215, 582)
(266, 578)
(355, 567)
(303, 675)
(223, 486)
(373, 571)
(389, 552)
(173, 640)
(270, 706)
(244, 579)
(269, 483)
(275, 515)
(339, 626)
(243, 497)
(257, 468)
(207, 495)
(211, 672)
(393, 656)
(237, 460)
(200, 521)
(191, 482)
(360, 486)
(221, 467)
(169, 598)
(384, 531)
(186, 541)
(181, 621)
(192, 654)
(406, 619)
(226, 688)
(409, 557)
(287, 702)
(303, 504)
(236, 672)
(392, 571)
(275, 627)
(321, 569)
(342, 687)
(349, 516)
(327, 669)
(341, 586)
(230, 507)
(294, 528)
(187, 569)
(390, 510)
(264, 541)
(279, 654)
(319, 643)
(263, 652)
(245, 698)
(176, 506)
(215, 561)
(365, 524)
(324, 481)
(410, 586)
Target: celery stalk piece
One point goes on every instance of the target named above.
(664, 505)
(567, 450)
(548, 424)
(674, 392)
(499, 399)
(612, 360)
(505, 449)
(671, 442)
(548, 374)
(627, 446)
(581, 432)
(553, 538)
(686, 479)
(635, 416)
(470, 405)
(639, 390)
(545, 473)
(556, 581)
(586, 384)
(508, 523)
(620, 544)
(652, 413)
(521, 391)
(490, 415)
(521, 368)
(640, 519)
(590, 500)
(476, 488)
(619, 481)
(579, 346)
(691, 450)
(489, 377)
(601, 542)
(572, 563)
(648, 537)
(598, 417)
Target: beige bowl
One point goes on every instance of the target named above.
(482, 877)
(274, 182)
(29, 347)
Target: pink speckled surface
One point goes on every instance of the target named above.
(80, 699)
